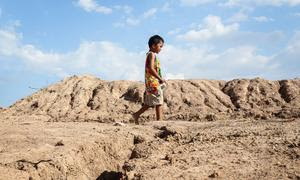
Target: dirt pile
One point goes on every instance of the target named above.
(87, 98)
(264, 99)
(78, 129)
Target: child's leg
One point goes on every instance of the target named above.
(159, 112)
(139, 112)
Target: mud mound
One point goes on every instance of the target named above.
(265, 99)
(83, 98)
(87, 98)
(289, 90)
(215, 130)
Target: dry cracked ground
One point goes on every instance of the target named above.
(80, 128)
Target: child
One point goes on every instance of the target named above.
(153, 96)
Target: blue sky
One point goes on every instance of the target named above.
(42, 42)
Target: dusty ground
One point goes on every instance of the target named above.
(79, 129)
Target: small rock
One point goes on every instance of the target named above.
(119, 124)
(138, 139)
(168, 158)
(165, 132)
(213, 175)
(35, 105)
(140, 151)
(128, 167)
(60, 143)
(211, 117)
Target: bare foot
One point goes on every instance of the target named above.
(135, 118)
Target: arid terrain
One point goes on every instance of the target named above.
(80, 128)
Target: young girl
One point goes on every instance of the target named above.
(153, 96)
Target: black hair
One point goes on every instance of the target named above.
(155, 40)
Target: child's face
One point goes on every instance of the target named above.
(157, 47)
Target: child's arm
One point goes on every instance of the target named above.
(150, 60)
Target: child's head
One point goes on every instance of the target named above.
(155, 43)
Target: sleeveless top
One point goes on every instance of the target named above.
(151, 82)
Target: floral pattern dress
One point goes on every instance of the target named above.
(151, 82)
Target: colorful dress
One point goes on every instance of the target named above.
(151, 82)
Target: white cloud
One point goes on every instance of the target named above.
(9, 42)
(174, 76)
(238, 17)
(175, 31)
(242, 3)
(127, 9)
(36, 56)
(212, 27)
(92, 5)
(151, 12)
(245, 55)
(262, 19)
(132, 21)
(244, 61)
(297, 14)
(245, 3)
(12, 25)
(166, 7)
(294, 44)
(106, 57)
(195, 2)
(100, 58)
(11, 45)
(288, 59)
(90, 57)
(103, 58)
(187, 55)
(118, 24)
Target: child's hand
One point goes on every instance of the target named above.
(161, 81)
